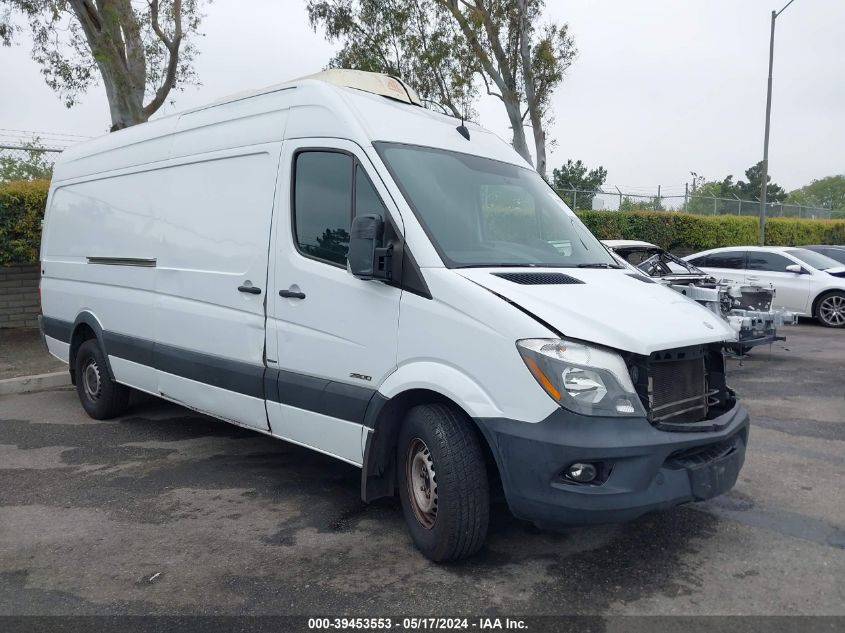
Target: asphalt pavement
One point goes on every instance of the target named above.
(165, 511)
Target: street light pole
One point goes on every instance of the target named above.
(765, 185)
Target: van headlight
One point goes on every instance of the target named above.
(582, 378)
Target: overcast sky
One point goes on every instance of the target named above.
(660, 87)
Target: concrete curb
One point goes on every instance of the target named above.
(40, 382)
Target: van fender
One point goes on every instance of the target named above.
(88, 318)
(415, 383)
(446, 380)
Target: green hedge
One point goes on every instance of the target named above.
(683, 231)
(22, 206)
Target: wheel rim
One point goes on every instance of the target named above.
(422, 483)
(91, 380)
(832, 310)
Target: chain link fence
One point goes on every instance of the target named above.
(622, 200)
(26, 162)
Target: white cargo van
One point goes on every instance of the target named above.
(331, 264)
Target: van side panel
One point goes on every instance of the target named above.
(157, 254)
(215, 232)
(99, 249)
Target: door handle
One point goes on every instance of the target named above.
(253, 290)
(291, 294)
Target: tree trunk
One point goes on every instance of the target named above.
(113, 32)
(520, 143)
(125, 107)
(114, 36)
(534, 113)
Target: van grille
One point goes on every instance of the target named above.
(677, 391)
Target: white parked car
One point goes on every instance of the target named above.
(807, 283)
(331, 264)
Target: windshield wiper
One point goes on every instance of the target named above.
(598, 265)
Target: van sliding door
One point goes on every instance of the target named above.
(212, 262)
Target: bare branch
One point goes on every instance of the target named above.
(496, 45)
(173, 61)
(487, 87)
(156, 26)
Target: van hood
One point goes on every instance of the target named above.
(609, 307)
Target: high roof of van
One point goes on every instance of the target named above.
(375, 83)
(320, 106)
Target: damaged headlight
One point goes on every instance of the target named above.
(582, 378)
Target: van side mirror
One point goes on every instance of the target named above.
(795, 268)
(367, 256)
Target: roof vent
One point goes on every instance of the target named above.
(539, 279)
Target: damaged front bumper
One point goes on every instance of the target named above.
(641, 468)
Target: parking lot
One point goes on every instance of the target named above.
(166, 511)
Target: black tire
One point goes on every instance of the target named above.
(101, 397)
(830, 309)
(461, 506)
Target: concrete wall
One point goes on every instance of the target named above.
(19, 302)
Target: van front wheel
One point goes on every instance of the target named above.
(101, 397)
(442, 482)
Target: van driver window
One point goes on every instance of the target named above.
(367, 201)
(323, 204)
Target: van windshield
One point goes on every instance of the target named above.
(481, 212)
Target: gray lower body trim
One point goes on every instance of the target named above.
(56, 328)
(319, 395)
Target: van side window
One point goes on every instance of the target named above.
(367, 201)
(323, 204)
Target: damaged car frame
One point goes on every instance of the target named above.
(746, 307)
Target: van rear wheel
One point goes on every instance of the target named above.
(101, 397)
(442, 482)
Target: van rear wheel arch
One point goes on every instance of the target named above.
(86, 327)
(379, 477)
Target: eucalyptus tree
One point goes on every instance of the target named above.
(141, 50)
